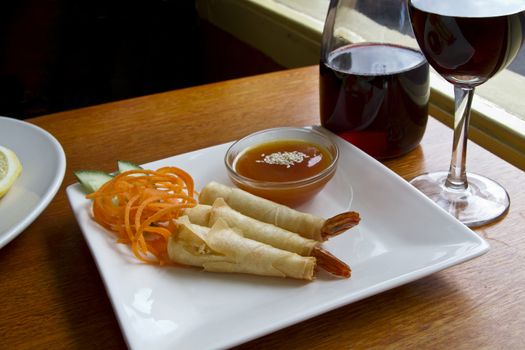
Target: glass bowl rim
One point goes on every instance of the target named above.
(284, 184)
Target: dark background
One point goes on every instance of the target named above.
(57, 55)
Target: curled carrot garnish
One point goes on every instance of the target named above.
(139, 207)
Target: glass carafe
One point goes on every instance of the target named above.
(374, 80)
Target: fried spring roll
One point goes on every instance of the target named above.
(261, 231)
(222, 249)
(267, 233)
(206, 215)
(306, 225)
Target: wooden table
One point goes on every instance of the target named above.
(52, 295)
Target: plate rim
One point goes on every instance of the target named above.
(14, 231)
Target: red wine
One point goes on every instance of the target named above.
(376, 97)
(469, 41)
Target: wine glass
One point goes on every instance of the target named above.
(466, 42)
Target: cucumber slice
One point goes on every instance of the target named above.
(91, 180)
(125, 166)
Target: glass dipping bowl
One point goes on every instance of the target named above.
(290, 193)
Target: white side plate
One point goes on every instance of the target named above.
(44, 164)
(403, 236)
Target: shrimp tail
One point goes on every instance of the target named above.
(339, 223)
(330, 263)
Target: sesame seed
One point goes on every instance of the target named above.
(284, 158)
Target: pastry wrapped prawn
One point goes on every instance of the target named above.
(307, 225)
(222, 249)
(267, 233)
(275, 236)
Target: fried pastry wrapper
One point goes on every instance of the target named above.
(306, 225)
(206, 215)
(199, 214)
(222, 249)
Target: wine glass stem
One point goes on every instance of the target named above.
(457, 178)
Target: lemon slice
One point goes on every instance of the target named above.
(10, 168)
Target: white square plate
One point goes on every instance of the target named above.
(402, 237)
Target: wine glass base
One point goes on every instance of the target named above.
(484, 200)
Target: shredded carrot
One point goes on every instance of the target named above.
(139, 207)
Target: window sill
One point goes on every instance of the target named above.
(292, 39)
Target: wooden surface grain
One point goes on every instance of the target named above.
(52, 295)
